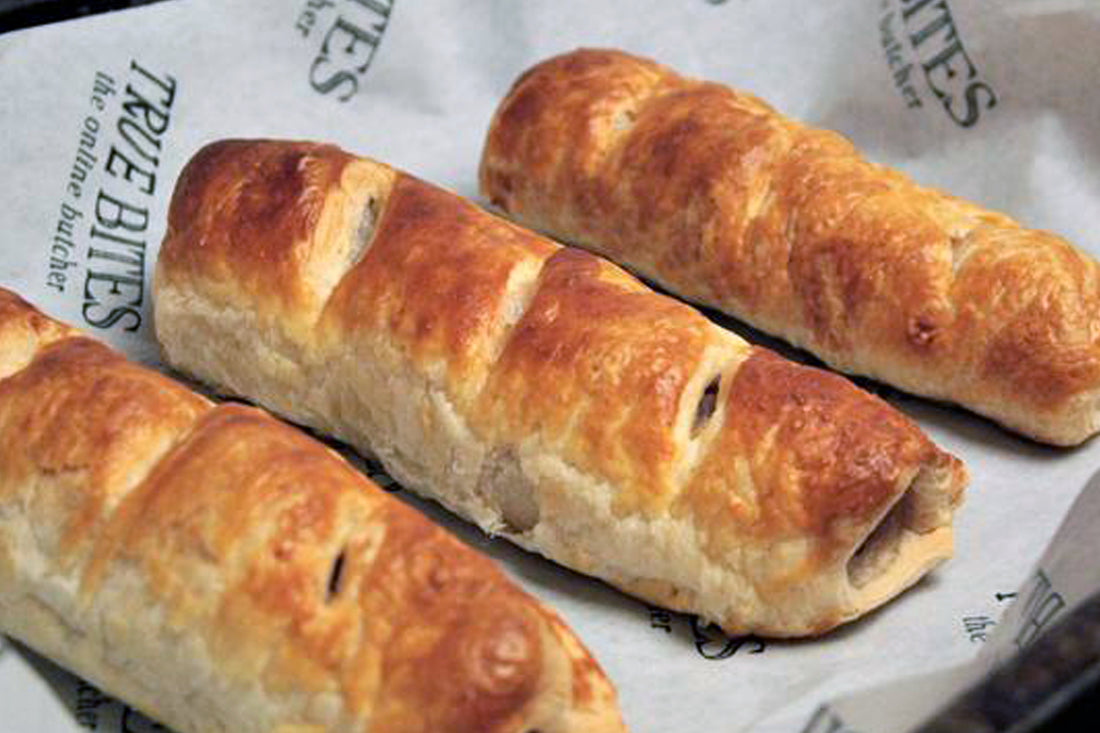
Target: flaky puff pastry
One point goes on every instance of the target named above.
(717, 197)
(223, 572)
(544, 393)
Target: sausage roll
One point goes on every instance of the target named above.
(544, 393)
(222, 571)
(722, 200)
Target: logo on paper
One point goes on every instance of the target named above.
(353, 33)
(928, 61)
(94, 710)
(826, 720)
(1041, 606)
(710, 641)
(713, 643)
(99, 237)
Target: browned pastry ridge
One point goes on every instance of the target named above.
(544, 393)
(223, 572)
(716, 196)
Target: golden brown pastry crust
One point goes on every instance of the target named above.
(546, 394)
(715, 195)
(222, 571)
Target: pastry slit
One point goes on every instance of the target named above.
(364, 232)
(523, 283)
(704, 411)
(961, 247)
(335, 576)
(363, 229)
(624, 117)
(707, 415)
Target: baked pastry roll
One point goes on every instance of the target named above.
(223, 572)
(725, 202)
(544, 393)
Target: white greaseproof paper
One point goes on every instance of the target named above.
(993, 102)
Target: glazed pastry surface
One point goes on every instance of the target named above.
(544, 393)
(222, 571)
(713, 194)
